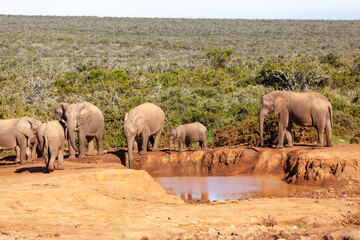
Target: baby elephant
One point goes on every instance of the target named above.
(51, 141)
(192, 132)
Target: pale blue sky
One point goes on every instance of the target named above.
(244, 9)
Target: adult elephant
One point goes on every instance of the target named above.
(146, 120)
(304, 109)
(51, 139)
(86, 119)
(19, 132)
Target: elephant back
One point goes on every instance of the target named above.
(147, 114)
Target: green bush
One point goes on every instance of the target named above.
(178, 64)
(219, 58)
(293, 75)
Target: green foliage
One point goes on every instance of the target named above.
(356, 137)
(219, 58)
(302, 225)
(293, 75)
(178, 64)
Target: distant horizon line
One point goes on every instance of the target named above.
(190, 18)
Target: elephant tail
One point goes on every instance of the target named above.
(46, 143)
(46, 147)
(331, 116)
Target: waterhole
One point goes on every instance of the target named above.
(215, 188)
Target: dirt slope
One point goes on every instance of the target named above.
(97, 198)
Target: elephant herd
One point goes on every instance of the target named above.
(147, 120)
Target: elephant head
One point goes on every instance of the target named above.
(28, 126)
(73, 116)
(131, 131)
(60, 112)
(173, 135)
(272, 102)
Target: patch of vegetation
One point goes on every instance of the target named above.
(268, 221)
(211, 71)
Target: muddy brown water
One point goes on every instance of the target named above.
(221, 188)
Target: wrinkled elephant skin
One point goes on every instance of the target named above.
(146, 120)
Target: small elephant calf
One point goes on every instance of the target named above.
(51, 140)
(192, 132)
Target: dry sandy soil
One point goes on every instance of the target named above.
(99, 198)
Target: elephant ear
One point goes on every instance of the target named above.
(173, 133)
(280, 103)
(84, 114)
(27, 126)
(59, 111)
(135, 118)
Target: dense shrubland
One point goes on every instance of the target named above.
(211, 71)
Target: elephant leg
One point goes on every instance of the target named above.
(17, 152)
(135, 147)
(91, 151)
(283, 124)
(22, 147)
(100, 149)
(181, 140)
(156, 141)
(71, 150)
(329, 142)
(33, 150)
(60, 164)
(53, 154)
(203, 143)
(320, 129)
(46, 157)
(288, 136)
(145, 139)
(28, 154)
(81, 144)
(51, 165)
(187, 144)
(151, 140)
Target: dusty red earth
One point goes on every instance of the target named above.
(98, 198)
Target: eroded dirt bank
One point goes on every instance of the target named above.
(108, 201)
(98, 198)
(301, 164)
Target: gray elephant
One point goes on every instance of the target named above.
(304, 109)
(87, 120)
(192, 132)
(31, 153)
(146, 120)
(51, 139)
(19, 132)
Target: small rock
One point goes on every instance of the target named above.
(212, 231)
(230, 229)
(237, 233)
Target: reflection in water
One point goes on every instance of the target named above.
(231, 188)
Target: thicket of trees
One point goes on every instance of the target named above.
(211, 71)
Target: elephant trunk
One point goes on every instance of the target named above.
(130, 146)
(261, 126)
(71, 130)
